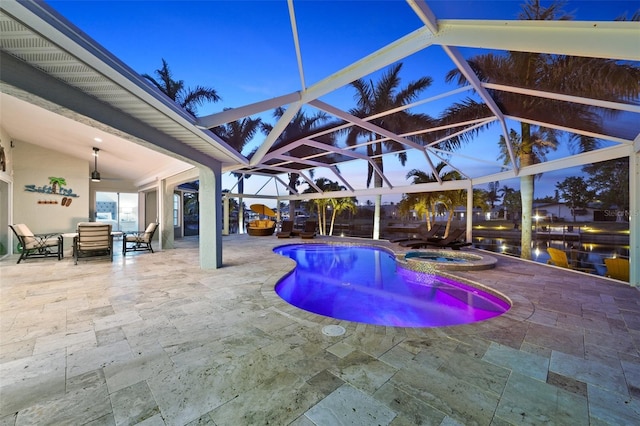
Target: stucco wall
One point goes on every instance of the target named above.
(5, 201)
(44, 211)
(5, 142)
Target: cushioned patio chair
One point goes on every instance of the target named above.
(36, 245)
(430, 235)
(309, 229)
(261, 228)
(559, 258)
(286, 229)
(93, 239)
(617, 268)
(455, 241)
(139, 241)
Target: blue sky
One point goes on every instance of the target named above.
(244, 49)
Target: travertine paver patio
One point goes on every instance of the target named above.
(152, 339)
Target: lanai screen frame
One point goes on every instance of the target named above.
(609, 40)
(606, 40)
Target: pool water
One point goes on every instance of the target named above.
(434, 257)
(364, 284)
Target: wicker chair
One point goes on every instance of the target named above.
(286, 229)
(93, 239)
(261, 228)
(139, 241)
(36, 245)
(309, 231)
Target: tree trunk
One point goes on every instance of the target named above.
(240, 206)
(333, 219)
(449, 220)
(324, 220)
(320, 227)
(526, 192)
(378, 184)
(293, 180)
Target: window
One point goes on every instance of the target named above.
(176, 210)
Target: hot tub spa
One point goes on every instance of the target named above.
(446, 260)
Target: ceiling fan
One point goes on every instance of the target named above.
(95, 174)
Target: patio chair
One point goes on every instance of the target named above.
(36, 245)
(617, 268)
(559, 258)
(261, 228)
(93, 239)
(455, 241)
(309, 229)
(139, 241)
(286, 229)
(430, 235)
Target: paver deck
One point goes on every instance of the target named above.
(152, 339)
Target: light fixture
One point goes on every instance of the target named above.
(95, 175)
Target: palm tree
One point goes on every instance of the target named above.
(238, 134)
(376, 98)
(492, 193)
(337, 205)
(321, 204)
(482, 199)
(340, 205)
(424, 203)
(189, 99)
(505, 192)
(300, 126)
(543, 140)
(428, 201)
(589, 77)
(452, 199)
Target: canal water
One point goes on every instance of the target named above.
(586, 255)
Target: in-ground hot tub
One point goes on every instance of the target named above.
(446, 260)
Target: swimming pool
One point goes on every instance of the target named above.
(365, 284)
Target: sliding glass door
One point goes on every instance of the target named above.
(120, 209)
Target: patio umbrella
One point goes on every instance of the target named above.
(262, 210)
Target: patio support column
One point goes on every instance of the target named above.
(634, 217)
(225, 215)
(210, 216)
(376, 218)
(469, 233)
(241, 226)
(166, 214)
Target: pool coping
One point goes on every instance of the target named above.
(475, 261)
(521, 308)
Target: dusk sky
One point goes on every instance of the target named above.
(244, 49)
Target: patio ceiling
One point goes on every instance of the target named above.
(42, 40)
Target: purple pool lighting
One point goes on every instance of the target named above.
(364, 284)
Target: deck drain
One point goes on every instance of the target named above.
(333, 330)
